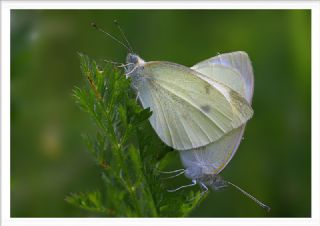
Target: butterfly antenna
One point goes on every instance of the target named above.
(123, 35)
(264, 206)
(110, 36)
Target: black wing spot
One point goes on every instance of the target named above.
(207, 88)
(205, 108)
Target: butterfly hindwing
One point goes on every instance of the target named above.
(237, 62)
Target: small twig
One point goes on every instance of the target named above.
(94, 88)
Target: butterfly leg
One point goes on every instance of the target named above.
(127, 74)
(173, 171)
(194, 182)
(179, 172)
(203, 186)
(125, 65)
(205, 189)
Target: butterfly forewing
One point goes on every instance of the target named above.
(189, 110)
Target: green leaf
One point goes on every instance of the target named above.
(91, 201)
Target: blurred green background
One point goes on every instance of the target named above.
(48, 157)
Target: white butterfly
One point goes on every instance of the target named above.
(190, 107)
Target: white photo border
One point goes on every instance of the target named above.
(6, 6)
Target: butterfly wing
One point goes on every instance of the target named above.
(189, 109)
(236, 61)
(211, 159)
(215, 156)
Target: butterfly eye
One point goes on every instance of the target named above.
(131, 58)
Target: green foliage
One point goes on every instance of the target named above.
(127, 151)
(89, 201)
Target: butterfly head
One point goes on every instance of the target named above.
(133, 62)
(133, 58)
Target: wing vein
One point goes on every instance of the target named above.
(199, 109)
(195, 93)
(164, 115)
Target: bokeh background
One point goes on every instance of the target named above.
(48, 157)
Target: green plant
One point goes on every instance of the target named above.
(127, 151)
